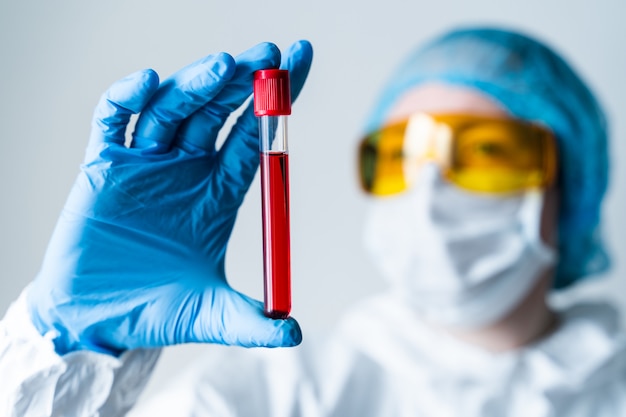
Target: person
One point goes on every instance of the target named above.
(486, 162)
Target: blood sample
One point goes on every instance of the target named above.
(272, 105)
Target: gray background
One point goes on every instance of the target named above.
(58, 57)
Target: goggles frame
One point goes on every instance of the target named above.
(478, 153)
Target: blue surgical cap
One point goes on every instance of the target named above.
(533, 83)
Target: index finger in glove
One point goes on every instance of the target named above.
(201, 129)
(178, 97)
(298, 61)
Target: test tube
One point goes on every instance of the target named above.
(272, 105)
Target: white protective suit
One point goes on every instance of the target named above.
(382, 361)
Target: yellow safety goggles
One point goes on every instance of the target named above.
(477, 153)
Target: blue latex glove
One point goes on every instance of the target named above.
(137, 257)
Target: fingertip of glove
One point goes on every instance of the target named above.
(304, 45)
(133, 91)
(295, 333)
(223, 65)
(149, 85)
(150, 78)
(277, 332)
(302, 50)
(298, 61)
(243, 323)
(144, 80)
(261, 56)
(288, 333)
(269, 48)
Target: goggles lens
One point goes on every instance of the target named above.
(477, 153)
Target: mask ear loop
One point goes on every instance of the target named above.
(530, 220)
(532, 209)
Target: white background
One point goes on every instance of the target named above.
(59, 56)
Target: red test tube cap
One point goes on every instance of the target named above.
(272, 94)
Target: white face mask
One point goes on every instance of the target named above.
(461, 258)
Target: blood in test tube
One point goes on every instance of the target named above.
(272, 105)
(276, 250)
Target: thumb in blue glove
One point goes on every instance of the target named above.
(137, 256)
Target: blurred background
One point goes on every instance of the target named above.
(58, 57)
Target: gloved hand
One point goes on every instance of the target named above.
(137, 256)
